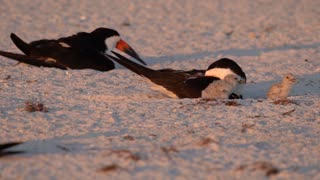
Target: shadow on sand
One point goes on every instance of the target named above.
(230, 52)
(307, 84)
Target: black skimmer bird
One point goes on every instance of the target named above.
(183, 84)
(80, 51)
(4, 149)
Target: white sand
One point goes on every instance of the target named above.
(100, 119)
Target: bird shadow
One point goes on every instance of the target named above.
(307, 84)
(229, 52)
(75, 144)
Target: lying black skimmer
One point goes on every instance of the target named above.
(184, 84)
(80, 51)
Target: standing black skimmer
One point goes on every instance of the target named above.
(182, 84)
(80, 51)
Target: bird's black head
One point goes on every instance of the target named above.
(104, 33)
(109, 39)
(223, 67)
(101, 35)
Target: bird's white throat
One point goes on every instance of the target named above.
(111, 43)
(219, 72)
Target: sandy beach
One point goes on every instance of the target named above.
(112, 125)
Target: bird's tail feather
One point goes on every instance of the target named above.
(23, 46)
(32, 60)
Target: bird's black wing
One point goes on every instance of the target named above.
(175, 81)
(201, 82)
(81, 41)
(189, 74)
(73, 52)
(23, 46)
(32, 60)
(80, 51)
(31, 56)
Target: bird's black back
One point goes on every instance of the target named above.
(79, 51)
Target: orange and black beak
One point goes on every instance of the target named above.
(124, 47)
